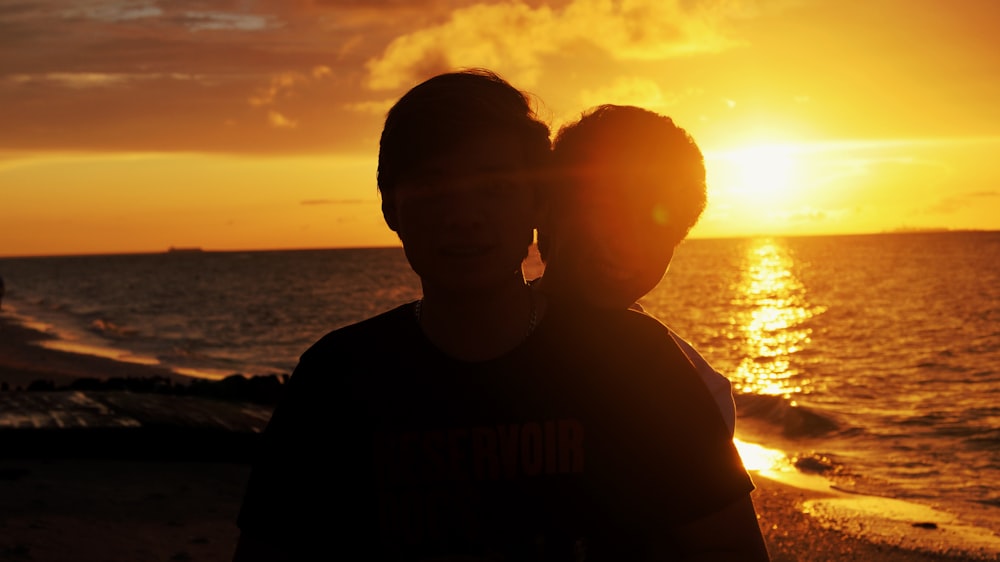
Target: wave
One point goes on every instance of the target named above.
(793, 421)
(988, 441)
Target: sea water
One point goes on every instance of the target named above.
(873, 360)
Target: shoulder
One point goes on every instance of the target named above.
(619, 333)
(636, 328)
(579, 313)
(342, 353)
(387, 326)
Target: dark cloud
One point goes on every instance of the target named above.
(164, 112)
(233, 76)
(187, 75)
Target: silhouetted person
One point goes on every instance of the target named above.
(630, 185)
(483, 421)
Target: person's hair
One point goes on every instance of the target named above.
(445, 110)
(627, 141)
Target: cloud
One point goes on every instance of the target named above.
(113, 11)
(84, 80)
(379, 108)
(281, 85)
(374, 3)
(279, 121)
(957, 203)
(987, 194)
(74, 80)
(809, 215)
(332, 202)
(631, 90)
(654, 29)
(201, 21)
(483, 35)
(515, 37)
(287, 86)
(221, 75)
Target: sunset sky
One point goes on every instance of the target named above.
(133, 126)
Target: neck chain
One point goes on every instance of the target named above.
(532, 317)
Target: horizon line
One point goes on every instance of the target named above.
(188, 249)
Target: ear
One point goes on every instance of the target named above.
(389, 214)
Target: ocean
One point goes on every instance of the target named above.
(870, 360)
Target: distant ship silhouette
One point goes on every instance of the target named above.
(183, 249)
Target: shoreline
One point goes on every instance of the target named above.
(58, 508)
(24, 360)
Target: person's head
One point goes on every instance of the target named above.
(458, 163)
(630, 186)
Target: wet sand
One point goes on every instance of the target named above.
(57, 507)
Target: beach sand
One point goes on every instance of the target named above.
(105, 509)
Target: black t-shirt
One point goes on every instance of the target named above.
(592, 437)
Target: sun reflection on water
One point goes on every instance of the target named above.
(771, 313)
(761, 459)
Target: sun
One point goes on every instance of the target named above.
(758, 173)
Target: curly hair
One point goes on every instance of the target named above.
(628, 142)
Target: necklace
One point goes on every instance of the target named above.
(532, 317)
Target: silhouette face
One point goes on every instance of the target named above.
(465, 216)
(612, 239)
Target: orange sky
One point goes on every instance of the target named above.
(132, 126)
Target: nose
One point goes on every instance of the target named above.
(463, 207)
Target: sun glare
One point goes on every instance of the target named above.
(759, 458)
(757, 173)
(764, 170)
